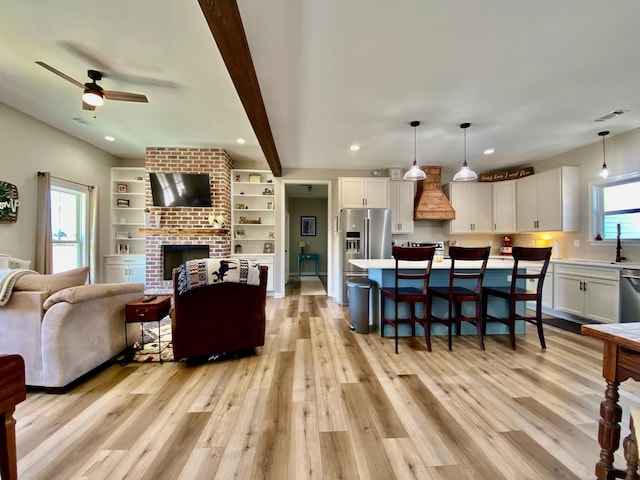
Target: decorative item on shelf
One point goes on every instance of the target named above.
(465, 174)
(415, 173)
(271, 235)
(502, 175)
(122, 203)
(237, 177)
(604, 173)
(268, 248)
(239, 206)
(237, 249)
(246, 221)
(123, 249)
(254, 178)
(395, 174)
(267, 191)
(240, 234)
(121, 235)
(217, 221)
(269, 205)
(139, 179)
(122, 188)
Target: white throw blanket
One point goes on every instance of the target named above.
(209, 271)
(7, 281)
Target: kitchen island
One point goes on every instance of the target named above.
(381, 272)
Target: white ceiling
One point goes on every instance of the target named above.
(530, 76)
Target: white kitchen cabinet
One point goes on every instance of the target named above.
(472, 203)
(549, 201)
(504, 206)
(364, 192)
(401, 195)
(592, 292)
(124, 269)
(547, 287)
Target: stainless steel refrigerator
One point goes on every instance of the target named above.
(364, 233)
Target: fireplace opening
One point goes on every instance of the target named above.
(175, 255)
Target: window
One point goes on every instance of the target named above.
(68, 226)
(616, 202)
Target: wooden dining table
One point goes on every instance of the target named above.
(620, 361)
(12, 392)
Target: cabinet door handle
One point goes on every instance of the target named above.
(584, 286)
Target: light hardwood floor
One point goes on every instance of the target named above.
(327, 403)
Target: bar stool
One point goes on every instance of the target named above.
(517, 292)
(410, 295)
(464, 286)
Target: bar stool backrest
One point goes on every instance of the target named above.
(460, 273)
(539, 257)
(413, 254)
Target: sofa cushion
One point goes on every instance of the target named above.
(35, 282)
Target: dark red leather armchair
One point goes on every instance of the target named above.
(221, 318)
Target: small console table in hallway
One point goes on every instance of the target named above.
(308, 256)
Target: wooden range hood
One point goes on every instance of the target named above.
(430, 202)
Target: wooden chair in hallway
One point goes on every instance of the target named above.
(535, 270)
(407, 294)
(468, 265)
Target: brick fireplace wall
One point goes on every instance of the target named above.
(218, 164)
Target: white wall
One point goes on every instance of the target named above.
(29, 146)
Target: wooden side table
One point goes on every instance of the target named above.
(152, 311)
(12, 392)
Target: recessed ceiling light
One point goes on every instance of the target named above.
(241, 141)
(489, 151)
(109, 138)
(354, 148)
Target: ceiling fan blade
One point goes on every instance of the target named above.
(60, 74)
(86, 106)
(124, 96)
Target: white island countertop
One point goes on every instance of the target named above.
(493, 263)
(390, 264)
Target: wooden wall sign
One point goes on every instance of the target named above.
(8, 202)
(502, 175)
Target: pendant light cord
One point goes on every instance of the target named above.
(465, 147)
(415, 162)
(604, 154)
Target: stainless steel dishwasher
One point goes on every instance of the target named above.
(629, 295)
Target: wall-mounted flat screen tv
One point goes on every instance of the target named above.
(180, 189)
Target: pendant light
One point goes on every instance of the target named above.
(465, 174)
(415, 173)
(604, 173)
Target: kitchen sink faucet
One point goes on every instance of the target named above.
(619, 258)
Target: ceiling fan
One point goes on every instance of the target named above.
(94, 94)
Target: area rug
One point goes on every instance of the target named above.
(311, 285)
(145, 349)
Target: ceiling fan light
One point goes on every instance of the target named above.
(93, 98)
(414, 174)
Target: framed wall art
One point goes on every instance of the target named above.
(308, 226)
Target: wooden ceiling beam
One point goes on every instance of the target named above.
(225, 23)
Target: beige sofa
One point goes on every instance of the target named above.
(63, 328)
